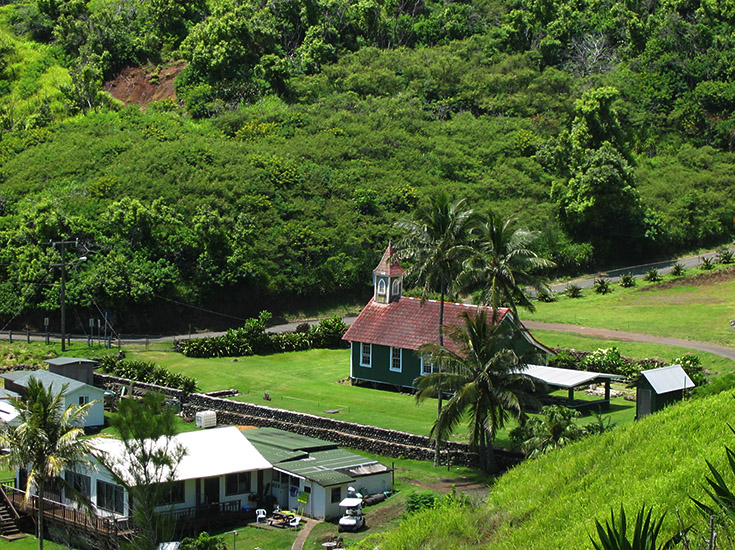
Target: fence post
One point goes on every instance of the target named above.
(28, 336)
(10, 336)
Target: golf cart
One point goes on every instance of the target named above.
(352, 518)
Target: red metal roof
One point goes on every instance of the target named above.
(407, 323)
(388, 267)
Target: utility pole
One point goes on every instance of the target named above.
(62, 294)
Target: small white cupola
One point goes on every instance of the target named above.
(388, 278)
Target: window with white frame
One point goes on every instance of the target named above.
(381, 287)
(395, 359)
(366, 355)
(426, 367)
(83, 400)
(396, 287)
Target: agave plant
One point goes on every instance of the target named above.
(574, 291)
(614, 535)
(652, 275)
(627, 280)
(602, 285)
(677, 270)
(707, 263)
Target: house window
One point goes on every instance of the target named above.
(426, 367)
(83, 400)
(238, 483)
(366, 355)
(381, 287)
(79, 484)
(395, 359)
(110, 497)
(396, 287)
(174, 494)
(336, 495)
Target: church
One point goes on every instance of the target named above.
(391, 327)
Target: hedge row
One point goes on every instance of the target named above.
(252, 339)
(148, 372)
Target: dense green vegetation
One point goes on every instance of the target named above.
(553, 501)
(304, 129)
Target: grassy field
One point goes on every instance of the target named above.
(552, 502)
(698, 306)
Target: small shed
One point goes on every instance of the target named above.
(75, 368)
(657, 388)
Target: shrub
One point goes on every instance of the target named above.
(677, 270)
(420, 501)
(147, 372)
(724, 382)
(693, 367)
(652, 275)
(563, 360)
(328, 333)
(574, 291)
(707, 264)
(607, 360)
(602, 286)
(725, 256)
(547, 296)
(303, 327)
(627, 280)
(614, 535)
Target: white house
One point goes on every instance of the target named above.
(220, 467)
(77, 393)
(312, 476)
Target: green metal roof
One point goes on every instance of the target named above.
(325, 464)
(288, 441)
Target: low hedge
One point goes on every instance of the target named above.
(148, 372)
(252, 339)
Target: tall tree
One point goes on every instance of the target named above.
(437, 242)
(503, 265)
(486, 381)
(48, 440)
(148, 463)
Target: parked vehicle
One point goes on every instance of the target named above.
(352, 517)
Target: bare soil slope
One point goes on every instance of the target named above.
(136, 86)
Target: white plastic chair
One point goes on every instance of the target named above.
(260, 513)
(295, 522)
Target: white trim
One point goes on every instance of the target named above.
(369, 364)
(383, 286)
(425, 372)
(400, 360)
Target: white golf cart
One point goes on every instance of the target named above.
(352, 518)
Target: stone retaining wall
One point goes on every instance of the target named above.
(358, 436)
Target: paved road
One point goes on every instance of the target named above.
(613, 275)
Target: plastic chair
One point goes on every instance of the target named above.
(260, 513)
(295, 522)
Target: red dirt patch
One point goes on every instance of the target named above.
(136, 86)
(700, 279)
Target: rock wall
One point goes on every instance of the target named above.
(358, 436)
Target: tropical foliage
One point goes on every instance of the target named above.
(301, 131)
(48, 440)
(484, 378)
(148, 372)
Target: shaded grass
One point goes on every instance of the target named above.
(694, 307)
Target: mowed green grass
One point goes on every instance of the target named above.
(310, 382)
(692, 308)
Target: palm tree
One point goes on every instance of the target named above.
(504, 265)
(554, 429)
(48, 439)
(485, 376)
(437, 242)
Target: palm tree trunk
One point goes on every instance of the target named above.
(438, 442)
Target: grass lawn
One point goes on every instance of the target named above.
(309, 382)
(697, 306)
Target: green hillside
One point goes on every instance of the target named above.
(302, 130)
(552, 501)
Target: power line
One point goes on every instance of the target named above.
(199, 308)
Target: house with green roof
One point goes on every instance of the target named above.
(312, 475)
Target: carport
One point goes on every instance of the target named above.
(569, 379)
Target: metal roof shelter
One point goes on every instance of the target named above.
(657, 388)
(569, 379)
